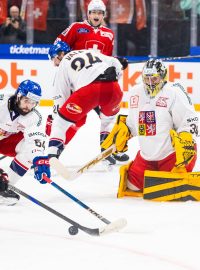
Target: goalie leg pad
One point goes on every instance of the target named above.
(123, 190)
(168, 186)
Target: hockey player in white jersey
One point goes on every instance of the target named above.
(161, 114)
(21, 137)
(56, 54)
(85, 80)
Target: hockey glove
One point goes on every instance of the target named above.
(3, 180)
(123, 61)
(184, 147)
(49, 124)
(119, 135)
(41, 166)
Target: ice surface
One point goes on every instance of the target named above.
(159, 236)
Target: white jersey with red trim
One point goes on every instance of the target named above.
(30, 125)
(78, 69)
(151, 119)
(82, 35)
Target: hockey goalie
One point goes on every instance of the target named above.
(162, 115)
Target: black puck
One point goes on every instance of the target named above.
(73, 230)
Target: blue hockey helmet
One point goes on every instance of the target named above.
(59, 46)
(29, 89)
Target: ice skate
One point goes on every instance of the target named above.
(121, 157)
(9, 197)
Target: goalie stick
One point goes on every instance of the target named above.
(48, 180)
(64, 172)
(112, 227)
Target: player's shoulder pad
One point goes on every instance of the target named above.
(76, 24)
(176, 86)
(38, 117)
(105, 28)
(82, 23)
(180, 90)
(34, 118)
(65, 31)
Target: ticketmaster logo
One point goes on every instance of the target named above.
(15, 49)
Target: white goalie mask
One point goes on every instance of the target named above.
(154, 76)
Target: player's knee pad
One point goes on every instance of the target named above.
(123, 180)
(123, 190)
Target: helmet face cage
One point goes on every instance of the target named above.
(29, 89)
(97, 5)
(154, 76)
(59, 46)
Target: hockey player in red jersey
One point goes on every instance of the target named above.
(21, 137)
(90, 34)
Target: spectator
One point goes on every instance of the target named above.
(57, 9)
(13, 30)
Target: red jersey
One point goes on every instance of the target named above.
(81, 35)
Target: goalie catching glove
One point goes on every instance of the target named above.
(184, 147)
(119, 135)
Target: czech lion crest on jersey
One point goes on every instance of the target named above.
(147, 123)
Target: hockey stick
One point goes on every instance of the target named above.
(63, 171)
(48, 180)
(2, 157)
(167, 58)
(112, 227)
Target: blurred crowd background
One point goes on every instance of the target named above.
(142, 27)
